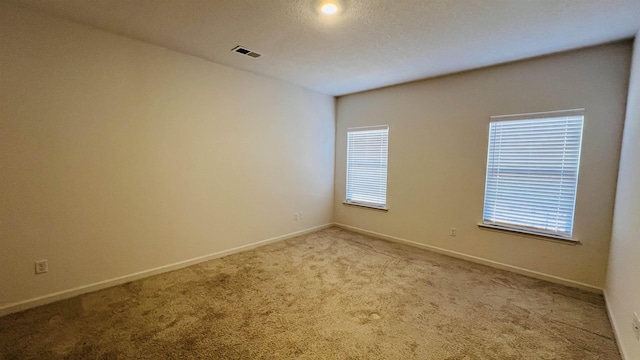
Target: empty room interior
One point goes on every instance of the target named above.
(319, 179)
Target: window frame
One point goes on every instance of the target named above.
(363, 203)
(523, 228)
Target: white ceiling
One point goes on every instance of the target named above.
(369, 44)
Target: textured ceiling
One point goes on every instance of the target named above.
(369, 44)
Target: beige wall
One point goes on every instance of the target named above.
(623, 282)
(437, 156)
(118, 157)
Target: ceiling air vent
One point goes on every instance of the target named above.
(244, 51)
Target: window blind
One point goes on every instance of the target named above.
(367, 155)
(532, 172)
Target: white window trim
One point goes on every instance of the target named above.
(532, 232)
(537, 115)
(365, 204)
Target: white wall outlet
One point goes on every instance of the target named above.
(453, 232)
(300, 216)
(636, 325)
(42, 266)
(295, 216)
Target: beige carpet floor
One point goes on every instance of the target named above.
(332, 294)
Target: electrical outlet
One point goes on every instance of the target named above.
(42, 267)
(295, 216)
(636, 325)
(300, 216)
(452, 232)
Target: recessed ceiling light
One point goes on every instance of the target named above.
(329, 8)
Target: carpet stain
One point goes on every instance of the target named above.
(332, 294)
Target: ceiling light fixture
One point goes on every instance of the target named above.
(329, 8)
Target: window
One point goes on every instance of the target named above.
(367, 153)
(532, 172)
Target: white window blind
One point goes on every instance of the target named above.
(532, 172)
(367, 154)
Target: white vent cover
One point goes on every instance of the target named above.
(244, 51)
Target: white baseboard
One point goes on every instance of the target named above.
(65, 294)
(475, 259)
(614, 325)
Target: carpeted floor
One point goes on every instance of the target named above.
(332, 294)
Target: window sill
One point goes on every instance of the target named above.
(372, 207)
(530, 234)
